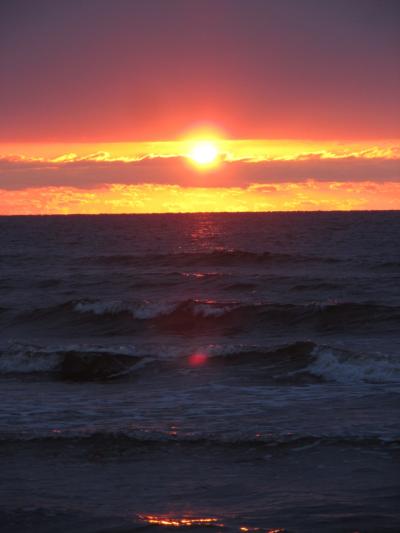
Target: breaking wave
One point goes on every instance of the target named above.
(343, 366)
(73, 362)
(102, 317)
(292, 364)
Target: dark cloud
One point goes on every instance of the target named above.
(19, 174)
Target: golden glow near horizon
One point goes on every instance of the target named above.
(154, 198)
(87, 176)
(254, 150)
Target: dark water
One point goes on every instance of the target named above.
(242, 367)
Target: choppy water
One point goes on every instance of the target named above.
(243, 366)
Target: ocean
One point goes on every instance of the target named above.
(228, 372)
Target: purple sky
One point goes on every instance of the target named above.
(75, 70)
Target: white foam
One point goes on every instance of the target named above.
(142, 310)
(346, 367)
(211, 309)
(26, 362)
(147, 310)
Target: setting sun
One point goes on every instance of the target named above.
(204, 153)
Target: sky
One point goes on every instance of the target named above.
(102, 103)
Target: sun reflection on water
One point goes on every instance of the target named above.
(180, 521)
(189, 521)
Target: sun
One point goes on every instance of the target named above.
(204, 153)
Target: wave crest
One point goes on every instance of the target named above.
(343, 366)
(290, 364)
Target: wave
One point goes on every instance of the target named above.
(300, 361)
(342, 366)
(114, 317)
(291, 364)
(72, 363)
(214, 258)
(138, 438)
(92, 363)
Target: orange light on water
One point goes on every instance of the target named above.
(179, 522)
(189, 521)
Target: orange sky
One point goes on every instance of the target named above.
(102, 103)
